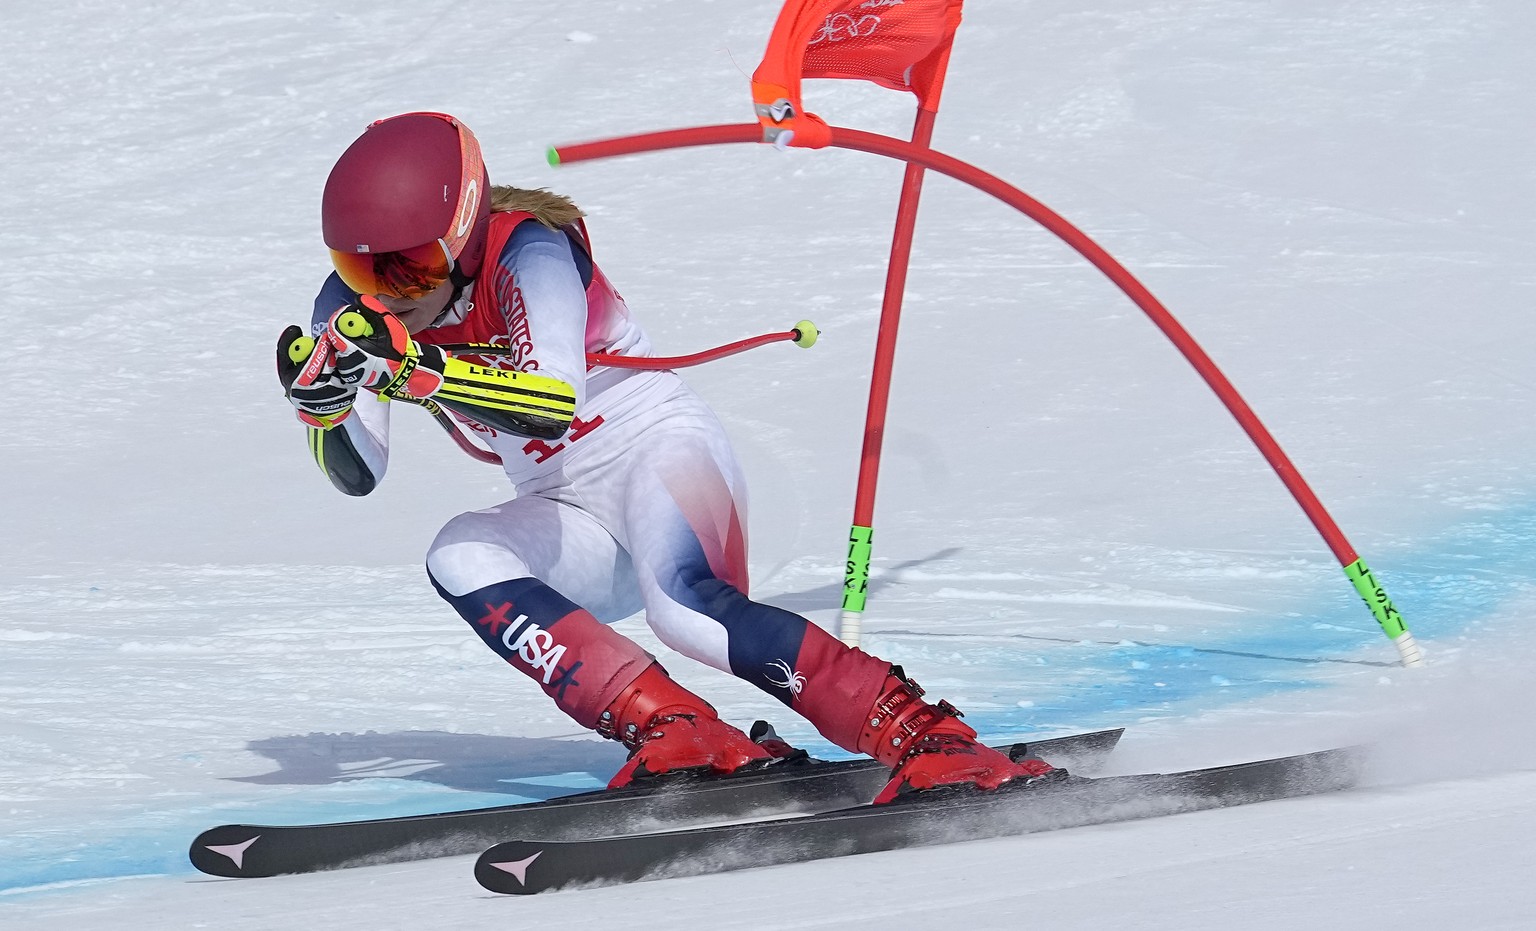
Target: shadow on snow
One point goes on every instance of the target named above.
(521, 766)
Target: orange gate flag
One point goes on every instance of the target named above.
(900, 44)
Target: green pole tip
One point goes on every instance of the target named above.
(808, 334)
(553, 156)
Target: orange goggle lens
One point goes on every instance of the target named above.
(408, 273)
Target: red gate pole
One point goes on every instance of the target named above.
(861, 533)
(1365, 582)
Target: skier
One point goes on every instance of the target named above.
(628, 494)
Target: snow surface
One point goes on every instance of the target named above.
(1336, 198)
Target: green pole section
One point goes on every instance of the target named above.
(856, 578)
(1376, 598)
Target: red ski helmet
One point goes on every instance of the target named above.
(406, 204)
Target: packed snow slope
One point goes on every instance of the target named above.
(1336, 198)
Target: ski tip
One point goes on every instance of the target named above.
(552, 155)
(223, 851)
(504, 868)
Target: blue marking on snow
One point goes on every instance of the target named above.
(1450, 588)
(154, 843)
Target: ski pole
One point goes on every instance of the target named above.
(804, 334)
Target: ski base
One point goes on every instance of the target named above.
(530, 866)
(246, 850)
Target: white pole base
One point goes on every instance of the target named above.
(1408, 649)
(850, 625)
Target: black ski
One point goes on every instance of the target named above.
(244, 850)
(529, 866)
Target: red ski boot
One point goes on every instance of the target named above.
(927, 746)
(668, 729)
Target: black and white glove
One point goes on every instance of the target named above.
(321, 393)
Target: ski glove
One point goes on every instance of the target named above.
(307, 370)
(374, 350)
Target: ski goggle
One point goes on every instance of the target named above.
(408, 273)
